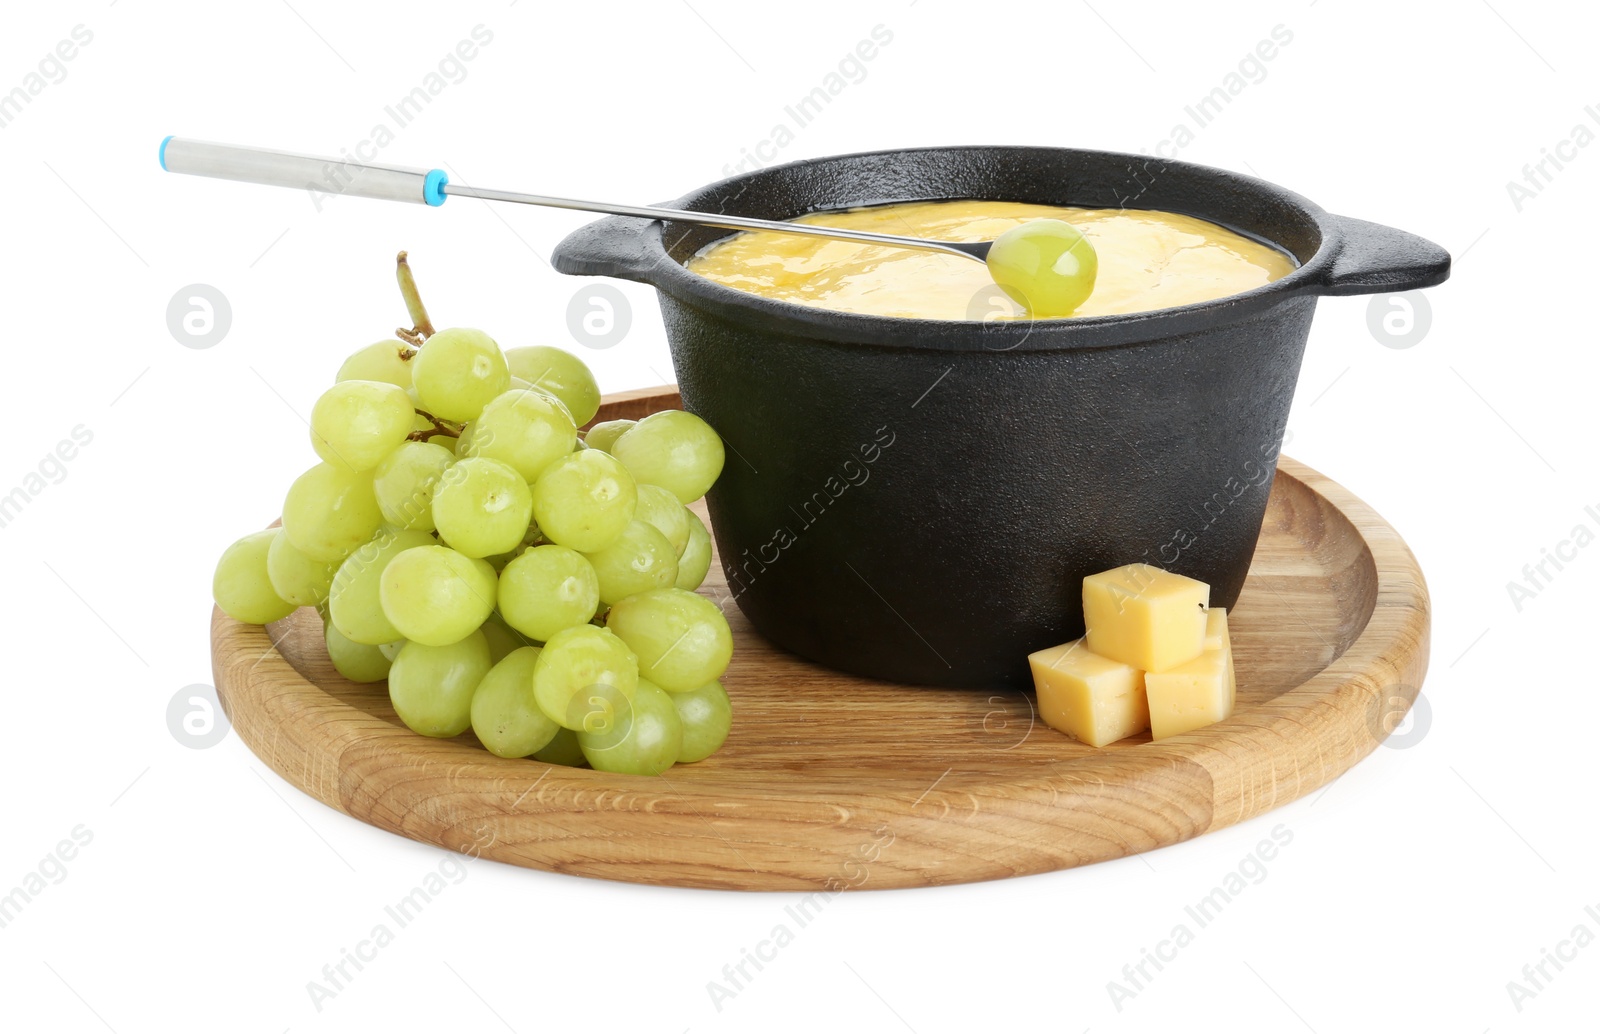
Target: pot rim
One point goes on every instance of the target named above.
(1351, 256)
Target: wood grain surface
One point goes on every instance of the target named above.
(831, 782)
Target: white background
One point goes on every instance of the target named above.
(1414, 888)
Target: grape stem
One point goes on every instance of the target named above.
(421, 326)
(440, 427)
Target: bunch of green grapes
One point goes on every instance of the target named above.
(463, 540)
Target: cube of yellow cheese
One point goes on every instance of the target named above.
(1216, 628)
(1217, 638)
(1089, 697)
(1145, 617)
(1196, 693)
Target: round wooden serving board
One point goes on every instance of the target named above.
(832, 782)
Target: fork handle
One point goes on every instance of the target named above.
(303, 171)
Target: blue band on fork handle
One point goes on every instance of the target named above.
(433, 187)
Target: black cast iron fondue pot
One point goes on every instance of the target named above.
(919, 500)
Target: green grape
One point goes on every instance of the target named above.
(643, 740)
(584, 500)
(661, 509)
(434, 595)
(681, 639)
(639, 560)
(354, 604)
(482, 507)
(527, 430)
(431, 687)
(330, 510)
(1046, 266)
(460, 443)
(561, 374)
(405, 481)
(457, 371)
(358, 423)
(562, 750)
(706, 717)
(673, 449)
(696, 559)
(546, 589)
(504, 715)
(391, 650)
(604, 435)
(584, 676)
(503, 639)
(241, 586)
(357, 662)
(556, 402)
(388, 361)
(579, 445)
(296, 578)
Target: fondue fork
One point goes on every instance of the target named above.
(432, 187)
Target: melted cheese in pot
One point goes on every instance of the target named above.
(1148, 260)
